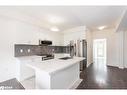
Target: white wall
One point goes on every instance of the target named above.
(89, 47)
(112, 45)
(125, 49)
(13, 31)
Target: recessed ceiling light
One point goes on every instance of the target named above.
(55, 29)
(102, 27)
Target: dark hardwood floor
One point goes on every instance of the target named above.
(11, 84)
(103, 77)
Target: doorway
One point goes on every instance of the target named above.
(99, 52)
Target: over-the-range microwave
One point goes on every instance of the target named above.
(45, 42)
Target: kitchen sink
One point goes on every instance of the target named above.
(65, 58)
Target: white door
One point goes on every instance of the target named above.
(99, 50)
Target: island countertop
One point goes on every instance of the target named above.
(54, 65)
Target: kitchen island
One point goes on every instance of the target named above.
(56, 73)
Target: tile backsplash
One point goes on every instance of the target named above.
(29, 50)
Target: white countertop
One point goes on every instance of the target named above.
(54, 65)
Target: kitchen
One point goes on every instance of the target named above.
(48, 47)
(59, 61)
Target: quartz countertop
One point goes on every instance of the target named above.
(54, 65)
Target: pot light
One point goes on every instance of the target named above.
(55, 29)
(101, 27)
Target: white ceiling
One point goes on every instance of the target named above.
(66, 17)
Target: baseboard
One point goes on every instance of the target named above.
(27, 78)
(89, 65)
(120, 67)
(76, 84)
(125, 66)
(111, 65)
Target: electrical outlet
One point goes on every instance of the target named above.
(28, 50)
(21, 50)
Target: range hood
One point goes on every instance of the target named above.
(45, 42)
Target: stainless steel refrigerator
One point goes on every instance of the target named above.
(80, 50)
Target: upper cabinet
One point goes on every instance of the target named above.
(74, 34)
